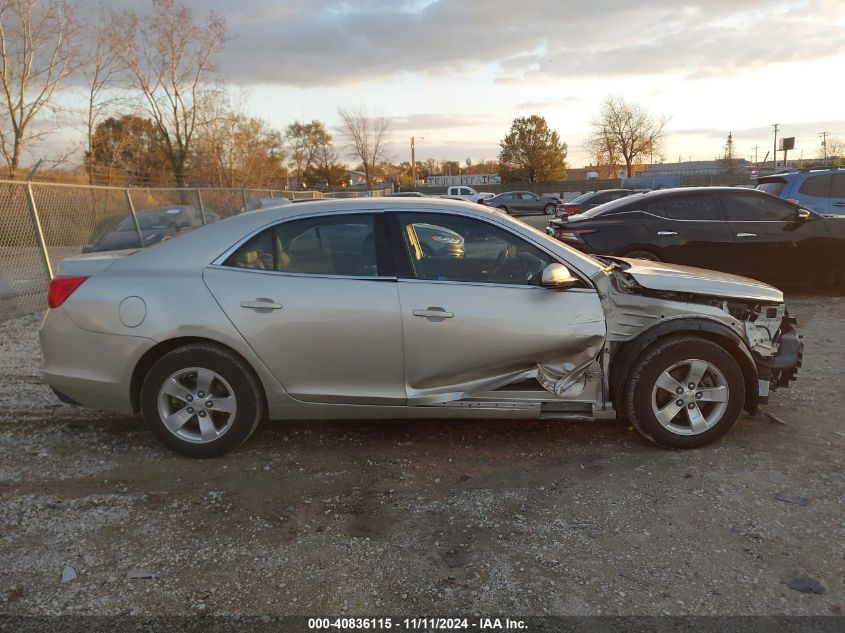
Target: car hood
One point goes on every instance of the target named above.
(699, 281)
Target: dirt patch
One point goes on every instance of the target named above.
(426, 517)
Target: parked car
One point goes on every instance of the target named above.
(467, 193)
(523, 202)
(405, 194)
(155, 225)
(740, 231)
(591, 199)
(254, 204)
(287, 316)
(822, 190)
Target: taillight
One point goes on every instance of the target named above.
(569, 209)
(61, 288)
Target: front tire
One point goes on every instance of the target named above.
(201, 400)
(504, 210)
(684, 392)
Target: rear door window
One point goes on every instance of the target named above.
(334, 245)
(696, 207)
(816, 186)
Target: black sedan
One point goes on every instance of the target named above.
(589, 200)
(734, 230)
(523, 202)
(155, 225)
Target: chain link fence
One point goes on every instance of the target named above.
(42, 223)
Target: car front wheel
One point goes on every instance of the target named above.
(684, 392)
(201, 400)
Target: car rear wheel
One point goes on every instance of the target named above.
(684, 392)
(647, 255)
(201, 400)
(549, 209)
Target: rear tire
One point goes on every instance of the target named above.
(202, 400)
(646, 255)
(549, 209)
(662, 406)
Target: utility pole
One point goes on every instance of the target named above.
(775, 152)
(413, 165)
(824, 145)
(755, 148)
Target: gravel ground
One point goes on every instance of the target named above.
(424, 517)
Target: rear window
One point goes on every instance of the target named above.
(613, 205)
(773, 186)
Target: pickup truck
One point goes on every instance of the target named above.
(467, 193)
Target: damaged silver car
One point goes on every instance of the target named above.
(406, 308)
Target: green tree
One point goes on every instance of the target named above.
(128, 145)
(305, 141)
(532, 152)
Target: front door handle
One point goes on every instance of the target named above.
(746, 235)
(839, 204)
(666, 233)
(433, 314)
(261, 304)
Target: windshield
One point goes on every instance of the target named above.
(609, 206)
(583, 197)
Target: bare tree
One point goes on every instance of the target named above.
(626, 131)
(169, 60)
(365, 136)
(36, 56)
(100, 70)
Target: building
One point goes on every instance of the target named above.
(693, 168)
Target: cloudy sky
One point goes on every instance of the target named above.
(456, 72)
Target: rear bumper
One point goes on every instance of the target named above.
(89, 368)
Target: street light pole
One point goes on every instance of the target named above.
(775, 151)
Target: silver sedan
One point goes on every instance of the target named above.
(405, 308)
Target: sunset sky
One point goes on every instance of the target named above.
(457, 72)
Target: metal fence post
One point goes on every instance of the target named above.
(202, 208)
(243, 196)
(134, 218)
(39, 233)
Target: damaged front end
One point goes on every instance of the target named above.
(645, 300)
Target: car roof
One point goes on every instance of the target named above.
(199, 247)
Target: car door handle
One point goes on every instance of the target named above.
(433, 314)
(261, 304)
(746, 235)
(666, 233)
(839, 204)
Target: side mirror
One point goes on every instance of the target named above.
(558, 276)
(802, 215)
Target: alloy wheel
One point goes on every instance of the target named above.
(197, 405)
(690, 397)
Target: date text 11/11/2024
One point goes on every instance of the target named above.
(417, 624)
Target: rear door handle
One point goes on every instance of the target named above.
(839, 204)
(666, 233)
(433, 314)
(746, 235)
(261, 304)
